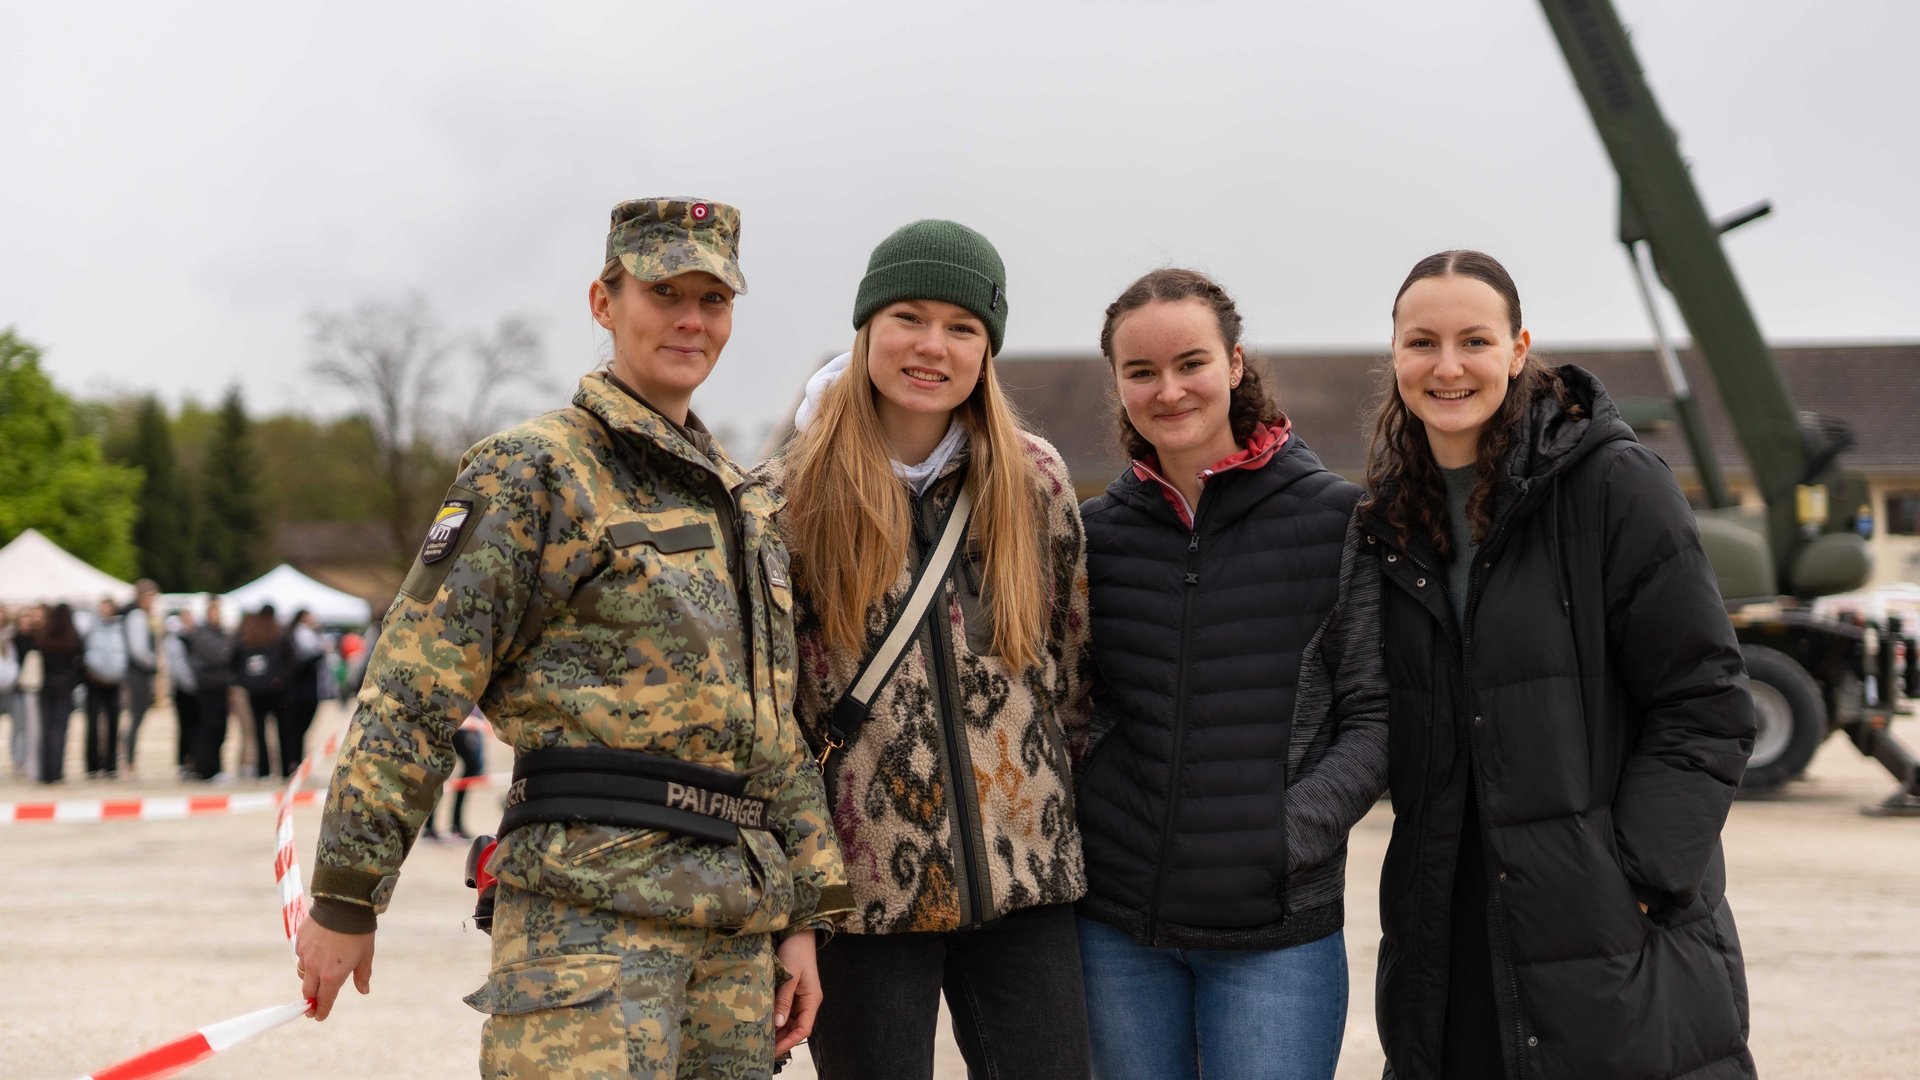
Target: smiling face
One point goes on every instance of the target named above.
(1175, 376)
(924, 357)
(667, 334)
(1454, 351)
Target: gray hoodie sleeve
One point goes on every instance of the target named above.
(1337, 766)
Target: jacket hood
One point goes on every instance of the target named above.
(1559, 435)
(817, 385)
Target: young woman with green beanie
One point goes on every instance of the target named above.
(950, 789)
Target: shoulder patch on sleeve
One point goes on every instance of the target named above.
(452, 524)
(447, 527)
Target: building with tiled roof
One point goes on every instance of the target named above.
(1875, 388)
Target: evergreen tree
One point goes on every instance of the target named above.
(52, 477)
(163, 535)
(233, 530)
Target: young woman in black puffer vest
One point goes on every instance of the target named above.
(1238, 728)
(1568, 713)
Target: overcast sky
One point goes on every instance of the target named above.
(182, 184)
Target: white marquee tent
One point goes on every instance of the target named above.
(35, 570)
(289, 590)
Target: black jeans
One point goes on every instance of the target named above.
(296, 716)
(186, 715)
(103, 728)
(212, 730)
(56, 710)
(1013, 986)
(262, 704)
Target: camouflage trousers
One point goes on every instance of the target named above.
(596, 995)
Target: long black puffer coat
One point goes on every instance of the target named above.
(1597, 699)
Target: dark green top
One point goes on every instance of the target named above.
(1460, 567)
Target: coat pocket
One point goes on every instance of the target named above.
(661, 577)
(549, 982)
(553, 1015)
(767, 862)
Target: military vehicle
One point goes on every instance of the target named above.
(1811, 675)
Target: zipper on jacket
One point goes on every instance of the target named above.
(940, 650)
(729, 519)
(1498, 938)
(1192, 578)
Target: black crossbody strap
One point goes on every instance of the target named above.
(851, 711)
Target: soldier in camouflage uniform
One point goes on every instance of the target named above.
(604, 576)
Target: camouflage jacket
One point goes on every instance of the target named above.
(954, 802)
(596, 577)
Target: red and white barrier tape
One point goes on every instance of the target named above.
(466, 782)
(192, 1049)
(154, 808)
(286, 861)
(171, 1058)
(286, 864)
(175, 807)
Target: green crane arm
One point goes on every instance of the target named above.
(1656, 187)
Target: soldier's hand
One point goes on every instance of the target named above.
(798, 999)
(326, 957)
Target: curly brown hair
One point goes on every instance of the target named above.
(1403, 479)
(1248, 406)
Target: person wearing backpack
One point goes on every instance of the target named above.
(304, 651)
(260, 658)
(105, 657)
(210, 652)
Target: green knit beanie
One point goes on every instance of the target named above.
(937, 260)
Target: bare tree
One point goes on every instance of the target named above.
(399, 361)
(509, 356)
(387, 355)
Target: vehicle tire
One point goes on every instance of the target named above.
(1790, 719)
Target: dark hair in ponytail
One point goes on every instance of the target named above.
(1402, 476)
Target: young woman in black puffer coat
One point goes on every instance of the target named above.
(1238, 727)
(1568, 718)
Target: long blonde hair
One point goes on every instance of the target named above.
(850, 519)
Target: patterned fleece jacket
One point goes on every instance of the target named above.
(954, 802)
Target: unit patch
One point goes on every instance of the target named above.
(445, 533)
(454, 527)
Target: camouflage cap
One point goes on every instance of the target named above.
(656, 239)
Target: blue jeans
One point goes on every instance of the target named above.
(1230, 1014)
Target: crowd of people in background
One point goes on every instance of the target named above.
(107, 664)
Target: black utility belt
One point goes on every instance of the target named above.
(630, 789)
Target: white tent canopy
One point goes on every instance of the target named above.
(289, 590)
(35, 570)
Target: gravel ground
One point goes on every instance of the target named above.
(121, 935)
